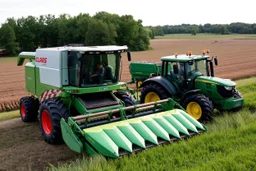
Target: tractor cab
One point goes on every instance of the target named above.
(184, 68)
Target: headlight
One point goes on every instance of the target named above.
(228, 88)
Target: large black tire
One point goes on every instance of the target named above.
(153, 92)
(199, 107)
(50, 113)
(29, 108)
(126, 98)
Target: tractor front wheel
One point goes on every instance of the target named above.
(29, 108)
(153, 92)
(199, 107)
(50, 113)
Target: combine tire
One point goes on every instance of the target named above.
(153, 92)
(50, 114)
(199, 107)
(29, 108)
(126, 98)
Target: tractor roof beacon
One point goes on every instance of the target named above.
(78, 98)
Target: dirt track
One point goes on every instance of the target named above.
(22, 147)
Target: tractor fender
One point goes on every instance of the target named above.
(188, 93)
(167, 85)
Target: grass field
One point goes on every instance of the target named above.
(9, 115)
(8, 59)
(208, 36)
(229, 145)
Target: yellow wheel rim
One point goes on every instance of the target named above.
(151, 97)
(194, 110)
(139, 83)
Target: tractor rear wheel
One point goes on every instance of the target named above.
(199, 107)
(29, 108)
(50, 113)
(153, 92)
(126, 98)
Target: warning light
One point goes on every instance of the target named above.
(189, 53)
(176, 54)
(75, 91)
(207, 51)
(203, 52)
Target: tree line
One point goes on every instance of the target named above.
(27, 34)
(238, 27)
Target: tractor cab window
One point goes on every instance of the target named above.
(74, 68)
(201, 66)
(179, 73)
(88, 70)
(99, 69)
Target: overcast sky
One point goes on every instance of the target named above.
(151, 12)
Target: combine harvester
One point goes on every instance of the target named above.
(91, 110)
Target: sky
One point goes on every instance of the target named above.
(158, 12)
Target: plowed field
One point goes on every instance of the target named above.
(237, 59)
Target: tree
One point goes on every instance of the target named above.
(8, 39)
(100, 33)
(142, 41)
(193, 32)
(223, 30)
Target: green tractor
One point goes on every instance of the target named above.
(78, 98)
(188, 79)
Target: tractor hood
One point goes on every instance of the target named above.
(215, 80)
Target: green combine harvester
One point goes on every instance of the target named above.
(188, 79)
(77, 97)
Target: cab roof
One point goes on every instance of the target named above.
(88, 48)
(184, 58)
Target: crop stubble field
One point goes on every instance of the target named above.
(237, 59)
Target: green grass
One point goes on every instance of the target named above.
(248, 91)
(9, 115)
(208, 36)
(228, 145)
(245, 80)
(8, 59)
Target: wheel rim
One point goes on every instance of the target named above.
(22, 110)
(151, 97)
(194, 110)
(139, 83)
(46, 122)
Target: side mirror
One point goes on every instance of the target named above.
(216, 60)
(175, 69)
(129, 56)
(211, 68)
